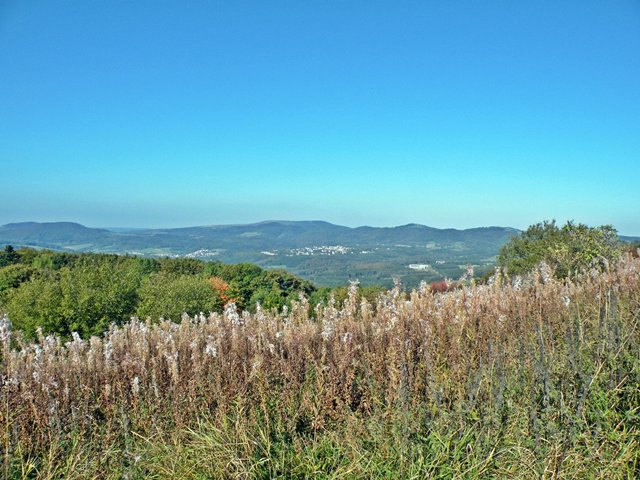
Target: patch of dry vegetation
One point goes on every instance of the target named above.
(519, 379)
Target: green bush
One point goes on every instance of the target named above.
(569, 249)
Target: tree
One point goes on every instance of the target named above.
(34, 304)
(66, 292)
(8, 256)
(181, 266)
(12, 276)
(169, 296)
(84, 299)
(568, 250)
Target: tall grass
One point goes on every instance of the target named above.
(532, 378)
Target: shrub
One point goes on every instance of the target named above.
(568, 250)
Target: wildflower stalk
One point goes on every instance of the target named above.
(456, 381)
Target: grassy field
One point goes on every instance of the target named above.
(533, 378)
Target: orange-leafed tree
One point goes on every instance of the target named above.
(221, 288)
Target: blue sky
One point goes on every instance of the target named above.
(450, 114)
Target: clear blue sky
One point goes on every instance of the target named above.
(450, 114)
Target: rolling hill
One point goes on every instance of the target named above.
(325, 253)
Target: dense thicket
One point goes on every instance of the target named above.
(85, 293)
(568, 250)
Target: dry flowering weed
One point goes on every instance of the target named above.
(432, 352)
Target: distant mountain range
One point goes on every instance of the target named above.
(320, 251)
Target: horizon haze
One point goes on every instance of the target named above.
(117, 228)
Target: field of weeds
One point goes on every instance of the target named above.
(532, 378)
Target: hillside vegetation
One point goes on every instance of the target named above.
(326, 254)
(536, 378)
(84, 293)
(568, 250)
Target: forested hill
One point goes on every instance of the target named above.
(264, 235)
(319, 251)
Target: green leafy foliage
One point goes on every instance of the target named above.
(65, 292)
(169, 296)
(84, 299)
(249, 284)
(568, 249)
(8, 256)
(12, 276)
(181, 266)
